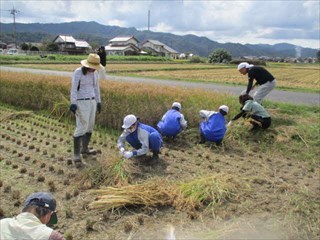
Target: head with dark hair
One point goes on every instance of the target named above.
(84, 70)
(244, 98)
(222, 112)
(43, 206)
(38, 211)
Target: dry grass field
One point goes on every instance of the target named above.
(289, 76)
(256, 185)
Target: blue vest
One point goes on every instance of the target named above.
(170, 126)
(133, 139)
(214, 129)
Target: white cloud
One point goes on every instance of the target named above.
(228, 21)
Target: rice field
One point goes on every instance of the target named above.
(289, 76)
(253, 185)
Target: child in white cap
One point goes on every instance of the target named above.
(213, 125)
(172, 122)
(141, 137)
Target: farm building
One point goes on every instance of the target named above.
(123, 46)
(159, 49)
(71, 45)
(3, 45)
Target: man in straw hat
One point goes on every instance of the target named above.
(213, 125)
(263, 78)
(140, 136)
(85, 102)
(39, 209)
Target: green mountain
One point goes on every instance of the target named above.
(100, 34)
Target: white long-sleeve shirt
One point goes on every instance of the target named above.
(205, 114)
(88, 86)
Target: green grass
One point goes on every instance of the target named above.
(59, 58)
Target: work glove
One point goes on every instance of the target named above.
(73, 108)
(121, 151)
(99, 107)
(128, 154)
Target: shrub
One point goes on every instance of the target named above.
(197, 59)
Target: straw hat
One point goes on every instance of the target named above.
(93, 61)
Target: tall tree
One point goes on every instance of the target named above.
(220, 55)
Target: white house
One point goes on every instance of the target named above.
(158, 48)
(71, 45)
(127, 45)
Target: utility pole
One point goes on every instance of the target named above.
(148, 20)
(14, 11)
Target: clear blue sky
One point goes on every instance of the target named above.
(245, 21)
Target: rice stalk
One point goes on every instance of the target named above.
(15, 115)
(208, 191)
(112, 171)
(60, 108)
(151, 194)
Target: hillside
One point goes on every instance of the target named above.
(101, 34)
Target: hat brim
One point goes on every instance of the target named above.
(85, 63)
(53, 219)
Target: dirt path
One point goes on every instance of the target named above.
(276, 95)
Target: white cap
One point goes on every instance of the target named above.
(176, 104)
(224, 108)
(128, 121)
(244, 65)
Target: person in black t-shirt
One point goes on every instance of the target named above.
(103, 56)
(263, 78)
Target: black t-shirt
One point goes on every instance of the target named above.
(260, 74)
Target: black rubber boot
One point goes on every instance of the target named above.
(76, 151)
(85, 142)
(155, 156)
(202, 139)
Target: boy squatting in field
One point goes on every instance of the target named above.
(172, 122)
(263, 78)
(140, 136)
(213, 125)
(39, 209)
(252, 109)
(85, 102)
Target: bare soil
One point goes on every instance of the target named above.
(36, 155)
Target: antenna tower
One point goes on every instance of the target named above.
(148, 20)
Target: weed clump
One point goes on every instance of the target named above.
(41, 179)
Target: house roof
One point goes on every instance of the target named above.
(155, 42)
(158, 43)
(80, 43)
(70, 39)
(120, 48)
(169, 49)
(65, 38)
(123, 39)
